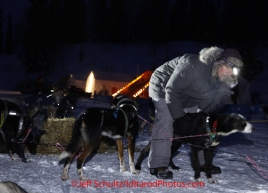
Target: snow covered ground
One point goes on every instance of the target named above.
(43, 173)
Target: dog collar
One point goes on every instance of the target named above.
(212, 135)
(214, 127)
(215, 124)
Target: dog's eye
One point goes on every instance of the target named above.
(244, 124)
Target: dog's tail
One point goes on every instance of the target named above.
(64, 155)
(75, 143)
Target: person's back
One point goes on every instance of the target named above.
(160, 78)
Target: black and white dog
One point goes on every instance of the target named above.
(16, 127)
(117, 122)
(211, 127)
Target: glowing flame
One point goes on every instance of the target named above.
(90, 84)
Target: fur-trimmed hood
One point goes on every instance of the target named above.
(209, 55)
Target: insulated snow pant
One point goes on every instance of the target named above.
(160, 150)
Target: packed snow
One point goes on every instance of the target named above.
(234, 156)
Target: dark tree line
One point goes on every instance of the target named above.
(52, 23)
(6, 38)
(1, 32)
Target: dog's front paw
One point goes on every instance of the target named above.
(198, 179)
(64, 177)
(212, 181)
(25, 160)
(12, 156)
(134, 171)
(132, 168)
(83, 178)
(122, 168)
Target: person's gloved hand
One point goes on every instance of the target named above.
(182, 124)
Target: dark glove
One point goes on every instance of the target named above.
(182, 124)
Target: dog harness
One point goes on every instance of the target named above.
(125, 115)
(212, 135)
(6, 113)
(3, 119)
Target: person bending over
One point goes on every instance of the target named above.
(189, 83)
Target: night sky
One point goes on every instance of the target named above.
(196, 26)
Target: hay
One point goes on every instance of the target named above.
(57, 131)
(60, 131)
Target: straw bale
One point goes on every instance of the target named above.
(60, 131)
(57, 131)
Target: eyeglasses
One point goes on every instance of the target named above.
(235, 69)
